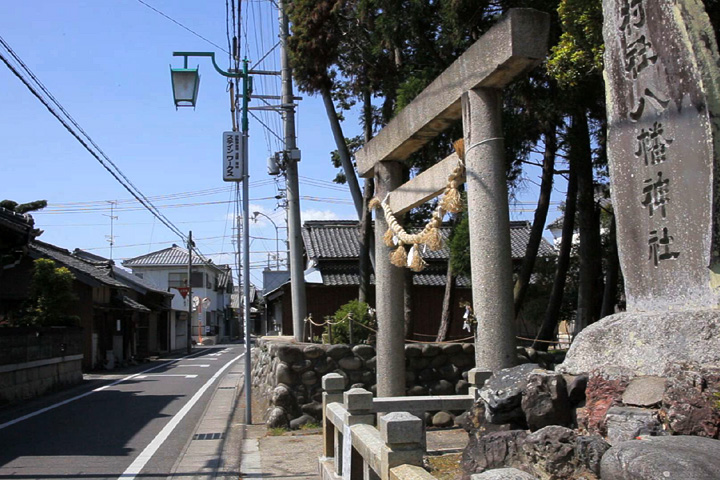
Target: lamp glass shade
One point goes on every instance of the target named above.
(185, 83)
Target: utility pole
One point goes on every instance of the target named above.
(190, 246)
(111, 238)
(297, 269)
(246, 239)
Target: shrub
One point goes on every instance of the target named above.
(361, 314)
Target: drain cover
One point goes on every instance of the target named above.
(208, 436)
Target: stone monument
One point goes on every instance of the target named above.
(662, 84)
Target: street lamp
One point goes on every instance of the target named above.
(185, 83)
(277, 236)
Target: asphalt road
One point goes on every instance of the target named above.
(135, 424)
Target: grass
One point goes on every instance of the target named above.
(276, 432)
(445, 467)
(311, 426)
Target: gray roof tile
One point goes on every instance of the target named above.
(167, 257)
(80, 267)
(333, 239)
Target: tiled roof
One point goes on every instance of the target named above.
(327, 240)
(19, 224)
(519, 238)
(125, 277)
(132, 304)
(346, 274)
(169, 257)
(83, 270)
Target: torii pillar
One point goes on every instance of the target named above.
(514, 45)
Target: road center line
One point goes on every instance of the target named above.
(99, 389)
(145, 456)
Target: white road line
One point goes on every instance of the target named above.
(145, 456)
(99, 389)
(166, 375)
(191, 365)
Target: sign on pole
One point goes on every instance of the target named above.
(232, 156)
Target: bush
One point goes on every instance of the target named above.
(51, 296)
(361, 313)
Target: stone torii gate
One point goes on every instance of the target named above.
(469, 89)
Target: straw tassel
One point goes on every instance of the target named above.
(373, 203)
(433, 239)
(452, 201)
(459, 146)
(389, 238)
(415, 260)
(399, 256)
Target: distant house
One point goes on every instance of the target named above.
(114, 321)
(149, 303)
(213, 320)
(332, 278)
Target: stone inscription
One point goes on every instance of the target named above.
(660, 151)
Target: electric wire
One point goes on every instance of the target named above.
(182, 26)
(117, 174)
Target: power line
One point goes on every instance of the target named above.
(183, 26)
(116, 173)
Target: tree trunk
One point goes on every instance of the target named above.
(343, 151)
(552, 314)
(590, 249)
(408, 301)
(366, 242)
(612, 273)
(447, 307)
(365, 219)
(528, 264)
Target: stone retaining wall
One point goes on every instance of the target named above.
(35, 361)
(289, 375)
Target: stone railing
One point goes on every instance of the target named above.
(355, 449)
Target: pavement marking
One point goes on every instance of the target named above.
(83, 395)
(136, 466)
(166, 375)
(191, 365)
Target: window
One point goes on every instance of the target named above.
(177, 279)
(197, 280)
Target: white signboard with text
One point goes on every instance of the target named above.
(232, 156)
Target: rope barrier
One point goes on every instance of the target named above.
(458, 340)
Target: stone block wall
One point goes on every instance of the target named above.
(289, 375)
(36, 361)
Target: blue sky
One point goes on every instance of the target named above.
(107, 62)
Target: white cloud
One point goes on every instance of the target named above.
(307, 215)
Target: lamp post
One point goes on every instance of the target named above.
(277, 236)
(186, 82)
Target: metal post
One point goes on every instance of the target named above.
(297, 278)
(190, 246)
(246, 242)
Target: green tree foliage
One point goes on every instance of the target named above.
(361, 314)
(578, 56)
(23, 207)
(51, 295)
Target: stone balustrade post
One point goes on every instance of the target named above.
(477, 378)
(333, 385)
(359, 405)
(402, 434)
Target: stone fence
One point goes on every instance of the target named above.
(35, 361)
(289, 375)
(353, 448)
